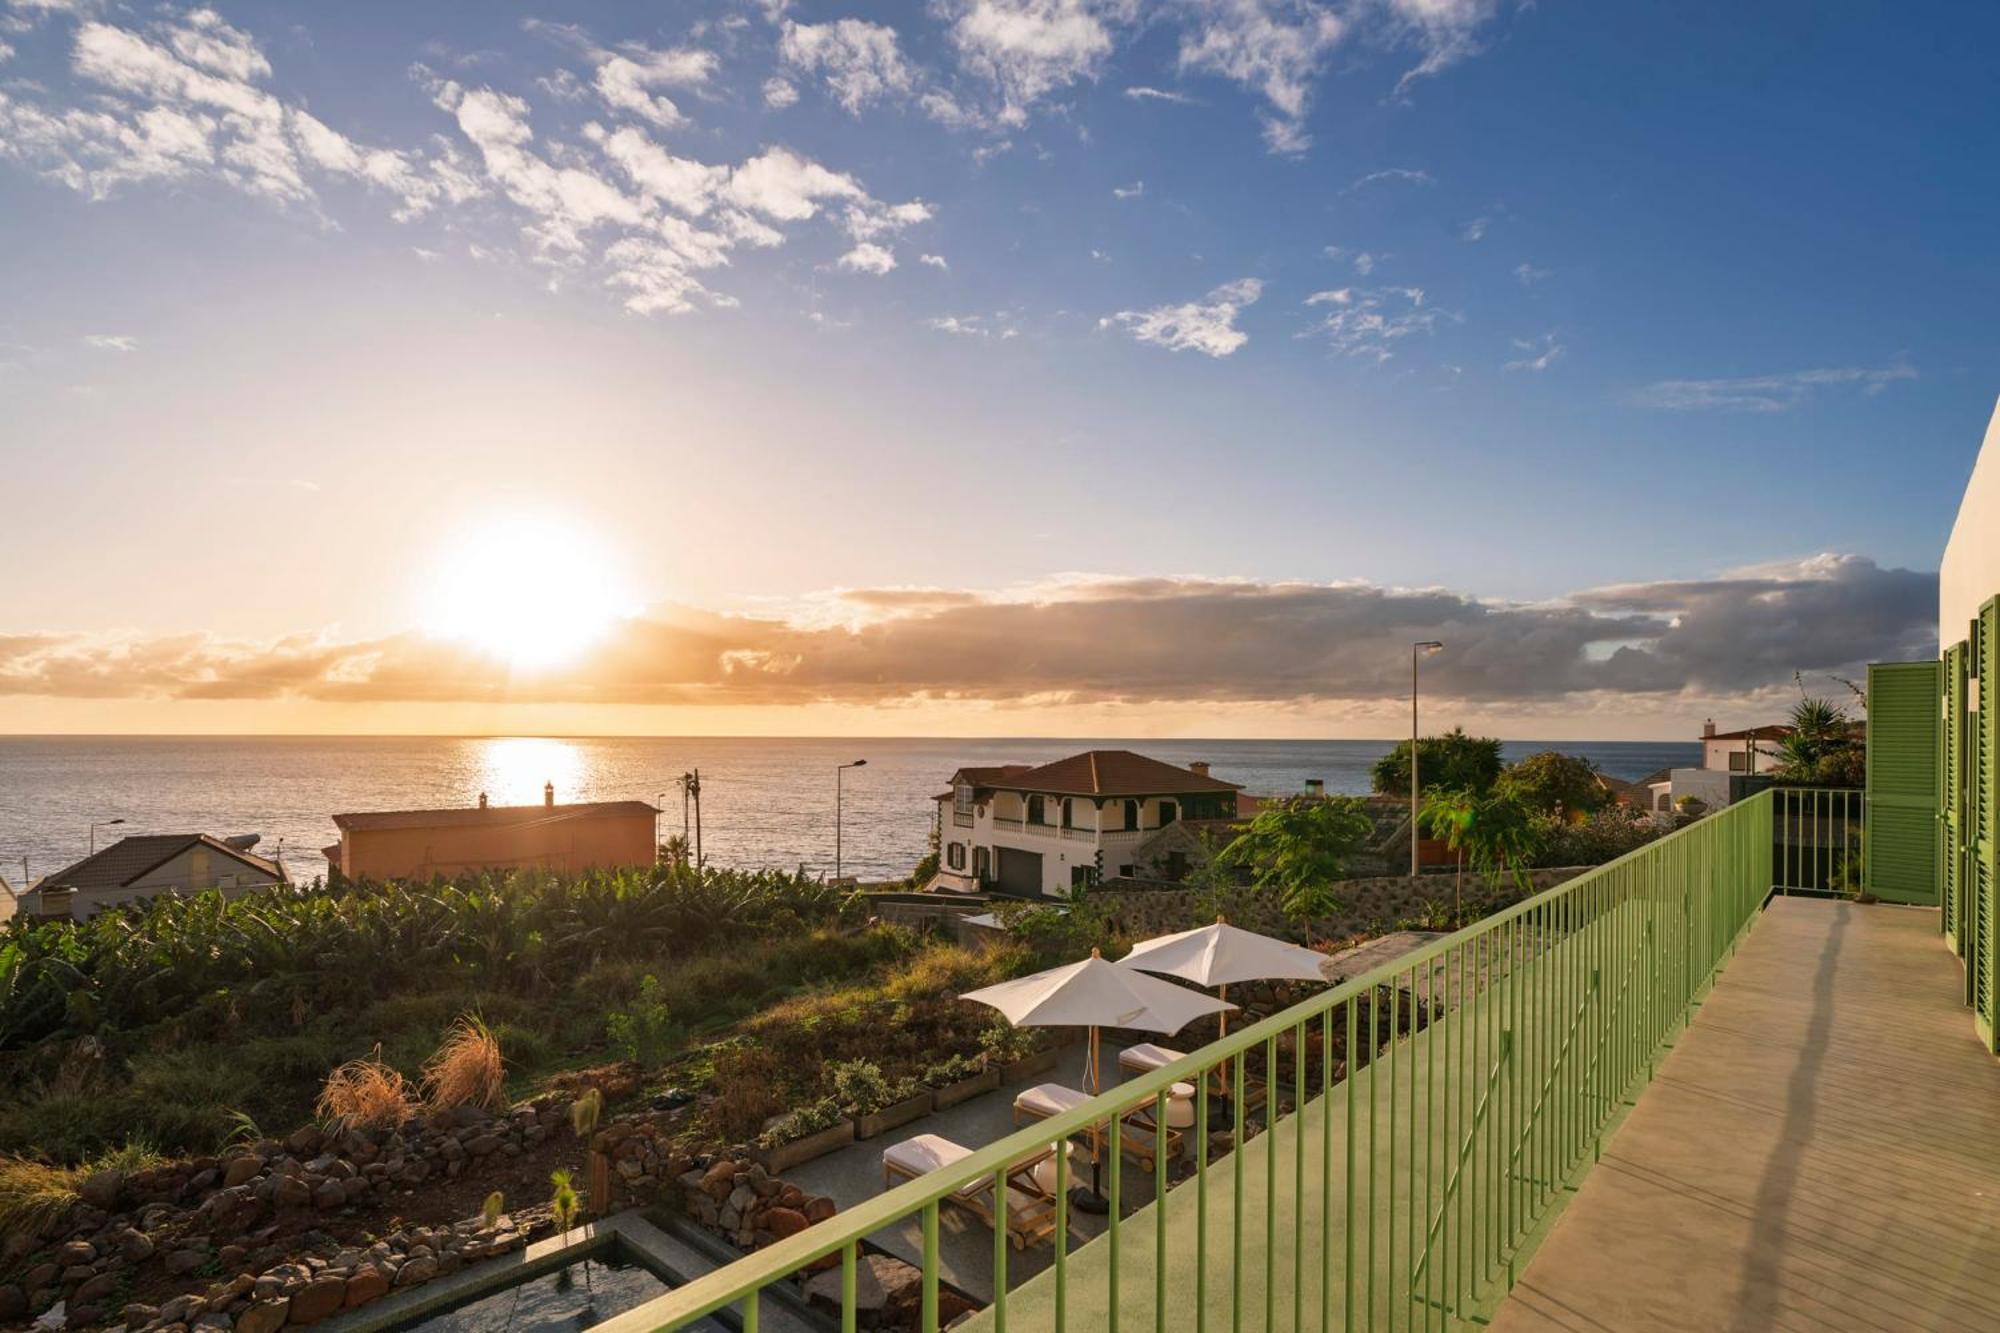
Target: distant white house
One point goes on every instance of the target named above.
(1039, 830)
(1724, 754)
(146, 866)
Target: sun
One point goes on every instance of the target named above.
(533, 591)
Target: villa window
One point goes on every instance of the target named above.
(1082, 877)
(1068, 813)
(1131, 814)
(954, 856)
(1037, 811)
(1738, 762)
(1169, 812)
(981, 864)
(961, 799)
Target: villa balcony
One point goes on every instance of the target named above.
(1658, 1096)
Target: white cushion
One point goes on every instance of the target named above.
(1047, 1099)
(1146, 1057)
(926, 1153)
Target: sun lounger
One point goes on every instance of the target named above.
(1052, 1099)
(1145, 1057)
(1031, 1210)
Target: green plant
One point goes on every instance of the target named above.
(242, 1128)
(586, 1111)
(489, 1212)
(645, 1033)
(1454, 759)
(861, 1087)
(954, 1068)
(564, 1203)
(1552, 783)
(803, 1122)
(1297, 847)
(1493, 831)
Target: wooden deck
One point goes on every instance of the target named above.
(1820, 1151)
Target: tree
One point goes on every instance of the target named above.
(1467, 763)
(1551, 783)
(1297, 848)
(1822, 747)
(1493, 831)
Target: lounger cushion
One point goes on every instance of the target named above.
(1146, 1056)
(1047, 1099)
(926, 1153)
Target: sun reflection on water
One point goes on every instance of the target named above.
(512, 769)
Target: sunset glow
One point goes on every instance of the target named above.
(533, 592)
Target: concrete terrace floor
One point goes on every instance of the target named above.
(1821, 1150)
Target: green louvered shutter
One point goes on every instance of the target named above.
(1984, 879)
(1901, 862)
(1951, 802)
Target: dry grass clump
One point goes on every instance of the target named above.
(364, 1094)
(467, 1069)
(33, 1194)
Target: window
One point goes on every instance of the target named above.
(1169, 812)
(954, 855)
(961, 799)
(1131, 814)
(1082, 877)
(1069, 813)
(981, 864)
(1037, 810)
(1739, 763)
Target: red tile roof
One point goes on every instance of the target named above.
(491, 816)
(1775, 731)
(1098, 773)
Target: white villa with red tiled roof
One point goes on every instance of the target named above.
(1039, 830)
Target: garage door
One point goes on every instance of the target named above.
(1020, 872)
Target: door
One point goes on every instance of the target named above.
(1020, 872)
(1951, 804)
(1901, 847)
(1982, 879)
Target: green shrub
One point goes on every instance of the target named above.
(645, 1033)
(805, 1121)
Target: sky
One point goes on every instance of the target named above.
(1034, 367)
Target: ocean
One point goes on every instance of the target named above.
(765, 802)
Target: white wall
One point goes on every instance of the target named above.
(1715, 755)
(1970, 572)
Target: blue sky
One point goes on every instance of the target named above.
(1020, 302)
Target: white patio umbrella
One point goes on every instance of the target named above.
(1221, 954)
(1093, 994)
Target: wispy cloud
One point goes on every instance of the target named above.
(1529, 275)
(1142, 93)
(860, 61)
(1444, 32)
(1371, 323)
(999, 326)
(934, 261)
(1405, 175)
(1766, 393)
(1538, 354)
(111, 342)
(1132, 191)
(1275, 48)
(1363, 261)
(1207, 326)
(1475, 230)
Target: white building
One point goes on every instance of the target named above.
(1038, 830)
(147, 866)
(1724, 754)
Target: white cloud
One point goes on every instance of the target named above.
(111, 342)
(1132, 191)
(1142, 93)
(779, 93)
(1766, 393)
(1274, 47)
(680, 183)
(1028, 49)
(1443, 31)
(6, 52)
(1371, 322)
(1406, 175)
(868, 257)
(1529, 275)
(1546, 352)
(1474, 230)
(627, 80)
(935, 261)
(859, 60)
(974, 326)
(782, 185)
(1207, 326)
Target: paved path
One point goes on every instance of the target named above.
(1820, 1151)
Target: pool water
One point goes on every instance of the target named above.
(579, 1295)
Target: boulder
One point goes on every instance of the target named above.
(178, 1263)
(366, 1284)
(76, 1252)
(138, 1314)
(291, 1192)
(318, 1299)
(818, 1208)
(100, 1188)
(94, 1290)
(13, 1302)
(304, 1142)
(264, 1316)
(135, 1246)
(783, 1222)
(719, 1180)
(419, 1269)
(330, 1194)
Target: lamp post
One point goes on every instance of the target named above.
(1418, 651)
(661, 802)
(102, 823)
(838, 770)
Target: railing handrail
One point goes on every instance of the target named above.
(757, 1270)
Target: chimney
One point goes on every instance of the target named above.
(1315, 786)
(482, 800)
(1199, 768)
(1708, 729)
(549, 794)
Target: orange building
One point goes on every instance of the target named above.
(420, 844)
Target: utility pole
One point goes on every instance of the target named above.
(838, 772)
(694, 790)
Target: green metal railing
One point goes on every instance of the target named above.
(1818, 833)
(1421, 1127)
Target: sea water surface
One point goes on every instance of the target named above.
(765, 802)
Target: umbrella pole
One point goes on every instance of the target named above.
(1091, 1199)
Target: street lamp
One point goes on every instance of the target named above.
(1418, 651)
(838, 770)
(102, 823)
